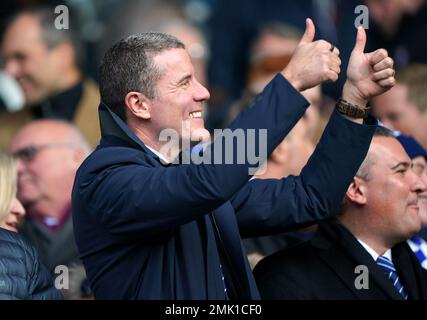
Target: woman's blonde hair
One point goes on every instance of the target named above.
(8, 184)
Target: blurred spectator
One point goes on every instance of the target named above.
(11, 95)
(418, 156)
(45, 62)
(22, 276)
(404, 107)
(11, 210)
(379, 214)
(234, 25)
(48, 153)
(396, 25)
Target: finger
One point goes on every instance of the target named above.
(387, 83)
(335, 59)
(334, 65)
(336, 51)
(331, 76)
(377, 56)
(309, 32)
(384, 64)
(360, 40)
(335, 68)
(383, 74)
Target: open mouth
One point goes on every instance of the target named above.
(195, 114)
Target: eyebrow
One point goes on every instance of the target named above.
(402, 163)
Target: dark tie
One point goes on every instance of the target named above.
(390, 271)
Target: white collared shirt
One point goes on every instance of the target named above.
(161, 157)
(373, 253)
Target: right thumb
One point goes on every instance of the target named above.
(310, 30)
(360, 40)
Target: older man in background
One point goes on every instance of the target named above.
(48, 153)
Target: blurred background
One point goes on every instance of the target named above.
(237, 42)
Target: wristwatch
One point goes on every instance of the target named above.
(352, 110)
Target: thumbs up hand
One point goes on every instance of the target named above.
(368, 74)
(312, 62)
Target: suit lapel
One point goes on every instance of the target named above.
(341, 251)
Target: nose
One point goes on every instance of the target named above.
(418, 185)
(201, 93)
(17, 208)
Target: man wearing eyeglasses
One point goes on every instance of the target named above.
(48, 153)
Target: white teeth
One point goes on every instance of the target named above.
(196, 114)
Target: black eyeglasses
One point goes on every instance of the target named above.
(29, 153)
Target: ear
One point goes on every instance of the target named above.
(356, 192)
(138, 105)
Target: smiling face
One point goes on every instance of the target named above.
(27, 58)
(392, 191)
(14, 217)
(178, 103)
(47, 156)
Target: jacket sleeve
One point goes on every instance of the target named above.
(40, 281)
(273, 206)
(130, 197)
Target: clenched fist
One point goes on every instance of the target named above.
(312, 62)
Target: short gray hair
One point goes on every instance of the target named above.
(364, 172)
(128, 66)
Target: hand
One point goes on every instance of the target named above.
(368, 74)
(312, 62)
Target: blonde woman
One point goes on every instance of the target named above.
(22, 276)
(11, 210)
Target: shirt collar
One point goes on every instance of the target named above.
(161, 157)
(373, 253)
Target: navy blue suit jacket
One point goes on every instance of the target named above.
(146, 230)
